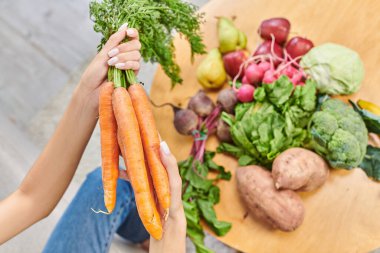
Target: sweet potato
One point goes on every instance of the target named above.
(281, 209)
(299, 169)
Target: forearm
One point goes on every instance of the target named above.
(51, 174)
(174, 239)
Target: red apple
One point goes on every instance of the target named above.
(232, 62)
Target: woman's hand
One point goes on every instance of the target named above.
(174, 238)
(122, 56)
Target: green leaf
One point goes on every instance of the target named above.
(228, 118)
(371, 162)
(156, 21)
(245, 160)
(214, 194)
(208, 213)
(279, 92)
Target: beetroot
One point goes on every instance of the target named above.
(278, 27)
(245, 93)
(185, 121)
(201, 104)
(223, 131)
(227, 99)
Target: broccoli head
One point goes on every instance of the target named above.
(339, 134)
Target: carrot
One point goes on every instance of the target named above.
(134, 158)
(109, 146)
(151, 144)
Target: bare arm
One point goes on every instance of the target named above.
(48, 179)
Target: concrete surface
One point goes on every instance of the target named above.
(44, 46)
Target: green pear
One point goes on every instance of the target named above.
(230, 38)
(211, 73)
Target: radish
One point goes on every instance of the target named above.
(289, 71)
(297, 78)
(269, 76)
(265, 48)
(264, 65)
(245, 93)
(254, 74)
(244, 80)
(298, 46)
(278, 27)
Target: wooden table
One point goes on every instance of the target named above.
(344, 215)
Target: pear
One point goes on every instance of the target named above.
(211, 73)
(230, 38)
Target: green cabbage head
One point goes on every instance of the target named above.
(336, 69)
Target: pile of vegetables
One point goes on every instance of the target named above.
(286, 137)
(274, 122)
(199, 172)
(125, 116)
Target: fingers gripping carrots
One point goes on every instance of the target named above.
(127, 122)
(133, 152)
(109, 146)
(151, 144)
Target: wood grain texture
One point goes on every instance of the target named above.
(343, 216)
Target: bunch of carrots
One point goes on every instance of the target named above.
(126, 120)
(127, 126)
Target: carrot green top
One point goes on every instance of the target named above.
(156, 21)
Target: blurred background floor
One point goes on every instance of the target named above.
(45, 46)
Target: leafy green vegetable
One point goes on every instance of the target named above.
(335, 68)
(200, 194)
(371, 162)
(156, 20)
(339, 134)
(276, 121)
(371, 120)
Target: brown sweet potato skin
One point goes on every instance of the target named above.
(281, 209)
(299, 169)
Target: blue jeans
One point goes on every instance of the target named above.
(80, 230)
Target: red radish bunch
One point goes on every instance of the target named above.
(274, 57)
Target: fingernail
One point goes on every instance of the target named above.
(123, 26)
(120, 65)
(112, 61)
(130, 32)
(165, 148)
(113, 52)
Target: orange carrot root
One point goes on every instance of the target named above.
(109, 146)
(151, 144)
(132, 149)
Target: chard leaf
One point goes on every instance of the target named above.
(371, 162)
(208, 213)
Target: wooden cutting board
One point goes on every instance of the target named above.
(344, 215)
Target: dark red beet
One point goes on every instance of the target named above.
(227, 99)
(201, 104)
(223, 131)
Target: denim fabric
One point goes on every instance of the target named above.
(80, 230)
